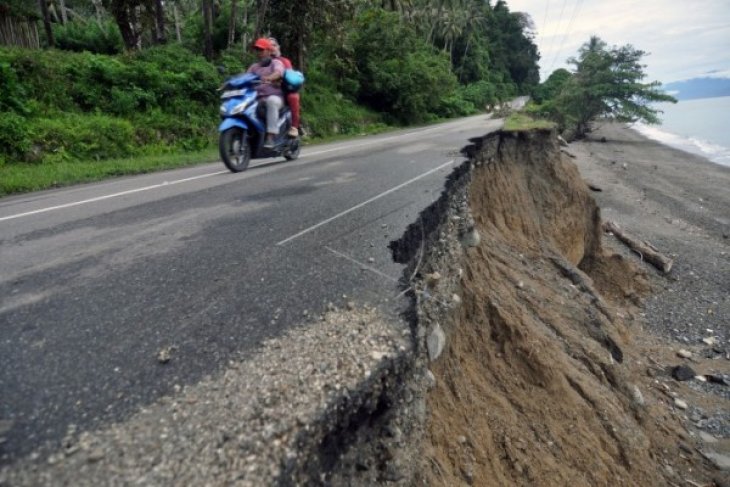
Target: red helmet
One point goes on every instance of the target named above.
(263, 43)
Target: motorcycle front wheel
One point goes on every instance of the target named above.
(235, 149)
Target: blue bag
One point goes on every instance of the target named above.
(293, 80)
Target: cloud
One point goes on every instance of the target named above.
(683, 39)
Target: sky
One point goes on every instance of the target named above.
(683, 38)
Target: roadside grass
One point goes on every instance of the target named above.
(25, 177)
(519, 122)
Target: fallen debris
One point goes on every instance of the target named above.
(644, 249)
(165, 354)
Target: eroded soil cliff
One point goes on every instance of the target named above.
(542, 378)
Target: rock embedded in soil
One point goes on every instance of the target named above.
(683, 373)
(436, 342)
(684, 353)
(679, 403)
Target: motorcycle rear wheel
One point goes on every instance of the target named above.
(235, 149)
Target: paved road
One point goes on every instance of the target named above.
(96, 279)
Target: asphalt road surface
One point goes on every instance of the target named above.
(96, 279)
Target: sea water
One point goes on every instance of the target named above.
(700, 126)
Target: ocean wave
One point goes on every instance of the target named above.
(714, 152)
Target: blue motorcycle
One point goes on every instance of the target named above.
(243, 129)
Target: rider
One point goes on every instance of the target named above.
(292, 99)
(270, 70)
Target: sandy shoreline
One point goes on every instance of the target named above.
(680, 203)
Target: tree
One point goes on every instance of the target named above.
(608, 82)
(160, 35)
(295, 24)
(207, 10)
(47, 22)
(126, 14)
(232, 24)
(552, 86)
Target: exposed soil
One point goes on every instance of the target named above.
(540, 350)
(547, 376)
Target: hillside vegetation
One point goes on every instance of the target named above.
(125, 78)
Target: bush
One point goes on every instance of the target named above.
(12, 94)
(15, 137)
(76, 136)
(159, 130)
(454, 105)
(89, 36)
(481, 94)
(400, 74)
(326, 112)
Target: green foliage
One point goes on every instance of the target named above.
(365, 67)
(12, 93)
(78, 136)
(15, 136)
(520, 122)
(512, 50)
(20, 8)
(325, 112)
(607, 83)
(399, 73)
(552, 87)
(89, 36)
(480, 94)
(161, 97)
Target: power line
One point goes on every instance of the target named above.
(576, 10)
(544, 17)
(557, 28)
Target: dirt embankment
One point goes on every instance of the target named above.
(525, 364)
(542, 379)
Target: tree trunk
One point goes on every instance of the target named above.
(244, 34)
(232, 24)
(62, 7)
(263, 7)
(47, 23)
(645, 250)
(97, 11)
(126, 18)
(160, 22)
(176, 15)
(208, 29)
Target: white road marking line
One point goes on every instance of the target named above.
(166, 183)
(109, 196)
(376, 197)
(365, 144)
(361, 264)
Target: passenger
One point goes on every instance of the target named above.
(292, 99)
(271, 71)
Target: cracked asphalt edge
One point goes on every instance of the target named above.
(261, 421)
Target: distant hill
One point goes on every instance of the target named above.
(698, 88)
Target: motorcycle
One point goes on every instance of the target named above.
(243, 128)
